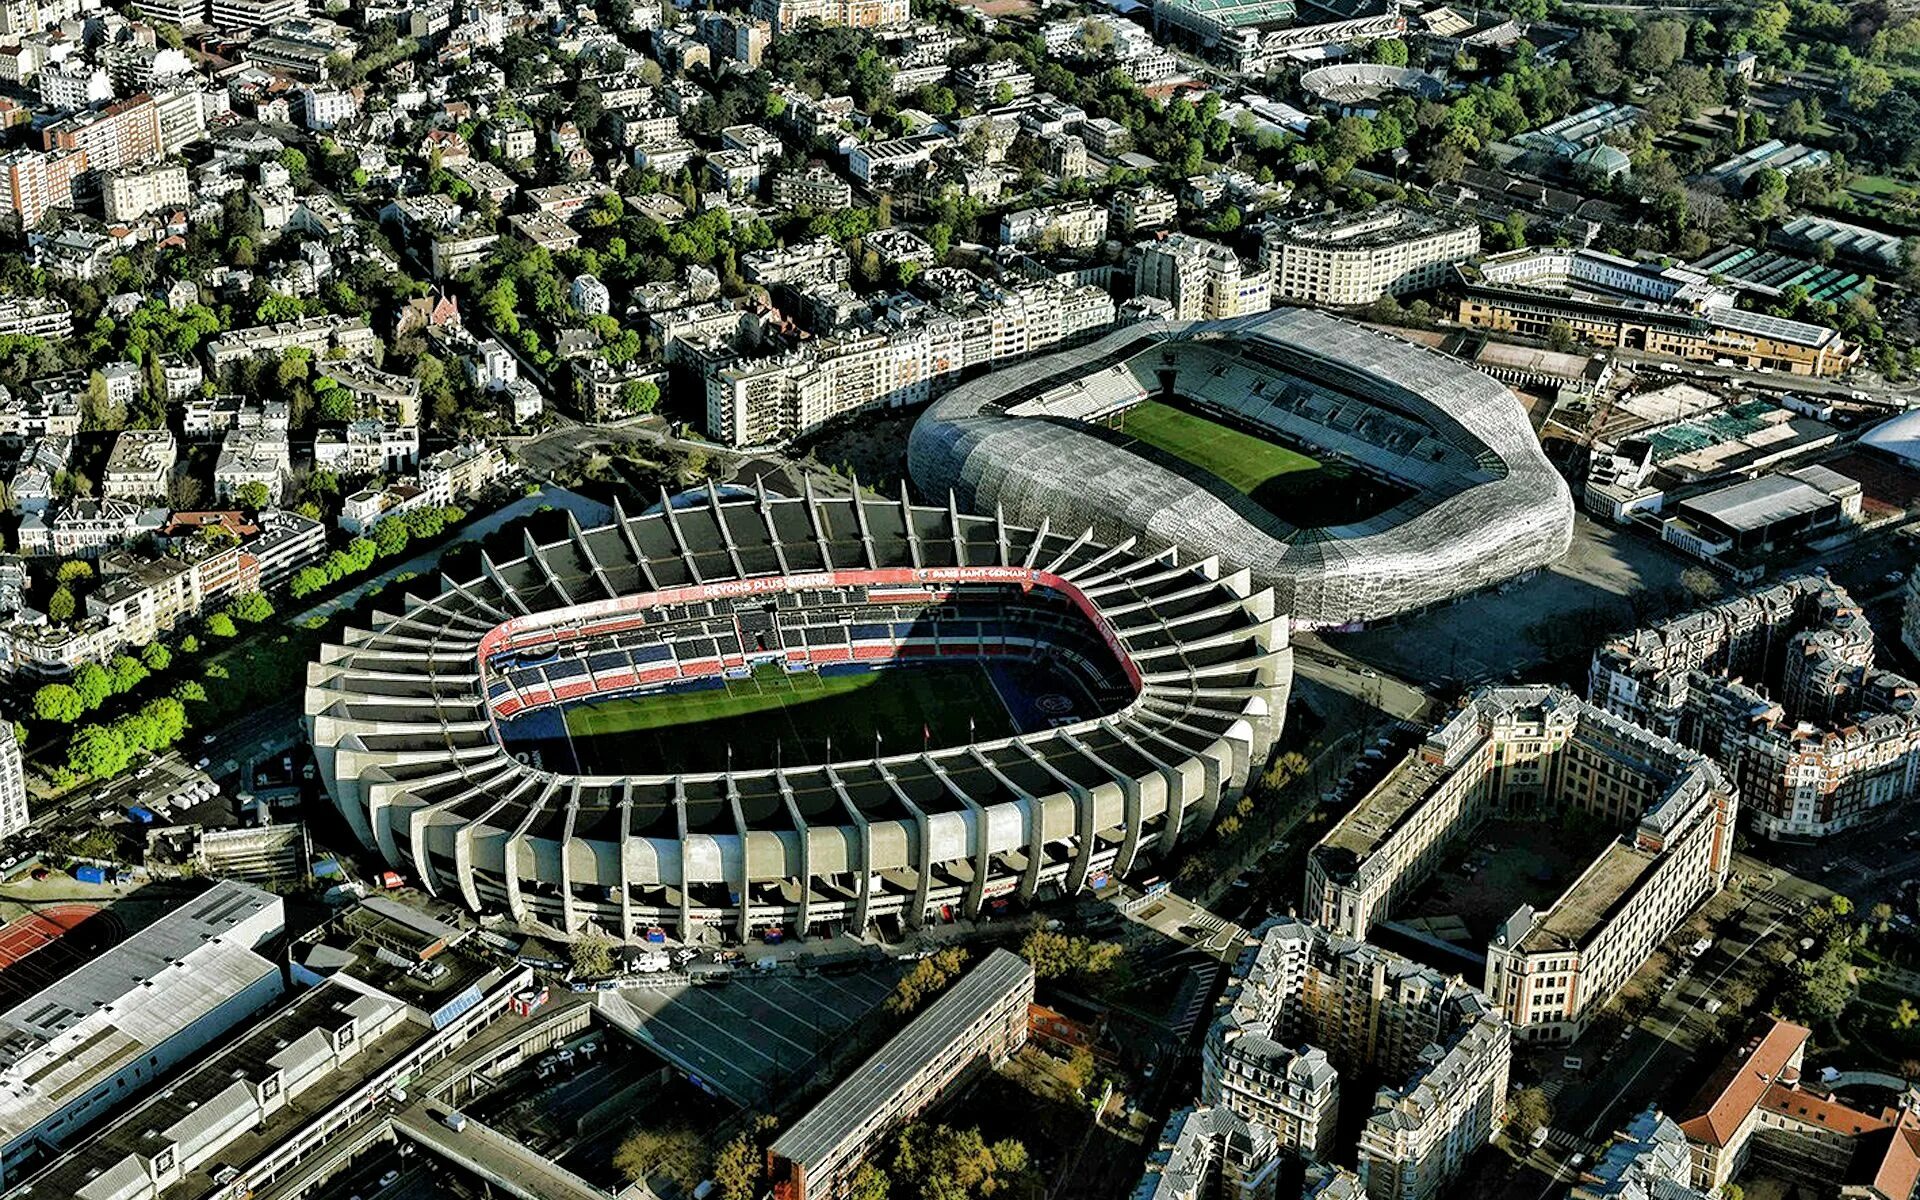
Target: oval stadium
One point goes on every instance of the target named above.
(809, 715)
(1358, 475)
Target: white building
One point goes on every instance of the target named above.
(252, 456)
(1339, 259)
(591, 296)
(13, 784)
(86, 1044)
(1201, 280)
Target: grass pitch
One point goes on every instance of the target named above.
(774, 714)
(1298, 488)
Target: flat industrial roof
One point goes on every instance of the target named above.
(1761, 502)
(835, 1119)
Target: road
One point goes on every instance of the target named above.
(590, 512)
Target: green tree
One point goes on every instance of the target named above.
(156, 656)
(128, 673)
(592, 954)
(868, 1183)
(390, 537)
(639, 396)
(74, 570)
(93, 684)
(221, 625)
(1062, 956)
(252, 495)
(98, 752)
(306, 581)
(736, 1169)
(58, 702)
(191, 691)
(252, 608)
(1905, 1014)
(61, 605)
(673, 1152)
(1529, 1111)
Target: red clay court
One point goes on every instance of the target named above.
(41, 947)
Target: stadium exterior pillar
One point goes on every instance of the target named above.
(1082, 822)
(1036, 828)
(746, 867)
(803, 919)
(686, 885)
(982, 847)
(863, 853)
(923, 851)
(626, 865)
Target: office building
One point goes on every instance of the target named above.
(1537, 752)
(1340, 259)
(980, 1021)
(1201, 280)
(238, 16)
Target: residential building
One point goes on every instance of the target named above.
(1200, 280)
(327, 108)
(1136, 210)
(31, 486)
(818, 260)
(86, 528)
(1780, 685)
(38, 182)
(251, 456)
(783, 16)
(238, 16)
(323, 337)
(991, 83)
(1648, 1160)
(1344, 259)
(32, 316)
(877, 164)
(140, 466)
(1438, 1048)
(13, 784)
(1533, 754)
(131, 194)
(368, 446)
(814, 186)
(462, 471)
(286, 542)
(590, 296)
(128, 1017)
(123, 134)
(1070, 225)
(1208, 1151)
(979, 1021)
(903, 360)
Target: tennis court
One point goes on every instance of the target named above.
(42, 947)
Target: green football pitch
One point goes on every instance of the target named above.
(773, 716)
(1298, 488)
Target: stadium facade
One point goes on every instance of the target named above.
(1185, 671)
(1481, 503)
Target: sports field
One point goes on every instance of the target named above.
(775, 715)
(1297, 488)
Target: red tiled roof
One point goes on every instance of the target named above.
(1736, 1088)
(1818, 1111)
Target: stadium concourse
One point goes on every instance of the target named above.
(1358, 475)
(641, 724)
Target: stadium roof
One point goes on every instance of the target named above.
(1483, 504)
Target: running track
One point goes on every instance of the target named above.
(37, 949)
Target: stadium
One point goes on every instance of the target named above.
(645, 724)
(1357, 475)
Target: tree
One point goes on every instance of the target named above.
(306, 581)
(736, 1169)
(1062, 956)
(1821, 988)
(592, 954)
(98, 752)
(673, 1152)
(190, 644)
(252, 495)
(128, 673)
(1560, 336)
(1701, 585)
(868, 1183)
(639, 395)
(191, 691)
(156, 656)
(61, 605)
(938, 1162)
(74, 570)
(1905, 1014)
(252, 608)
(929, 977)
(59, 703)
(1528, 1112)
(221, 625)
(390, 537)
(94, 685)
(1079, 1069)
(1660, 45)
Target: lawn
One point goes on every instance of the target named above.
(774, 716)
(1296, 487)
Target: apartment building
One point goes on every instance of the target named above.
(814, 186)
(980, 1021)
(237, 16)
(251, 456)
(128, 195)
(1780, 685)
(1200, 280)
(818, 260)
(901, 361)
(783, 16)
(1343, 259)
(13, 783)
(987, 84)
(1647, 1160)
(1069, 225)
(37, 182)
(1438, 1049)
(1136, 210)
(1294, 1094)
(32, 316)
(1534, 753)
(140, 466)
(1207, 1151)
(318, 335)
(123, 134)
(86, 528)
